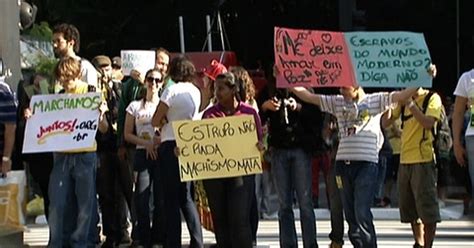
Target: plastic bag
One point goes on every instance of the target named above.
(35, 207)
(12, 202)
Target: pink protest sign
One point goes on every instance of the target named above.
(312, 59)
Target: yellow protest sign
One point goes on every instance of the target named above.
(217, 148)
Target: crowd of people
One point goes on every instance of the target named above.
(133, 164)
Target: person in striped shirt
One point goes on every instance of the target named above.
(358, 115)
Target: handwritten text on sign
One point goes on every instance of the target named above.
(62, 122)
(217, 148)
(389, 59)
(312, 58)
(140, 60)
(335, 59)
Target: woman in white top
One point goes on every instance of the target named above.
(139, 131)
(179, 101)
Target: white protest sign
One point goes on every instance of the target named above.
(140, 60)
(62, 122)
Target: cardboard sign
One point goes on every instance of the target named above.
(312, 58)
(389, 59)
(335, 59)
(62, 122)
(140, 60)
(217, 148)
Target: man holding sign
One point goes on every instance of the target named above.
(358, 115)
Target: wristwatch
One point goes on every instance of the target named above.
(5, 159)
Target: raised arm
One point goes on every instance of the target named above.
(306, 96)
(403, 95)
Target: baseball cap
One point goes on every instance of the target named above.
(117, 62)
(214, 69)
(101, 60)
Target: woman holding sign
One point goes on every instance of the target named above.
(139, 114)
(230, 198)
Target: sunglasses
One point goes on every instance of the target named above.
(156, 80)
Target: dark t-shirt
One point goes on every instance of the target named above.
(291, 129)
(7, 110)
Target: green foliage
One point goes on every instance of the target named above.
(41, 32)
(46, 66)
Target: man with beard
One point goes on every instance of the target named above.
(66, 43)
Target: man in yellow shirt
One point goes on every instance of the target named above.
(417, 173)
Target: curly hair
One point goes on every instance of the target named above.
(249, 87)
(70, 32)
(182, 70)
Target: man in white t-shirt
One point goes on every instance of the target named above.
(66, 42)
(464, 93)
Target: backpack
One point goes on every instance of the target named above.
(442, 138)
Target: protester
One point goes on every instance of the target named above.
(393, 133)
(117, 72)
(139, 131)
(358, 115)
(290, 130)
(331, 140)
(162, 61)
(66, 43)
(7, 125)
(205, 79)
(39, 164)
(179, 101)
(131, 90)
(464, 153)
(247, 95)
(230, 199)
(417, 178)
(109, 175)
(72, 186)
(385, 154)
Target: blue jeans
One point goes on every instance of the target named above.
(291, 170)
(356, 183)
(72, 186)
(147, 176)
(470, 160)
